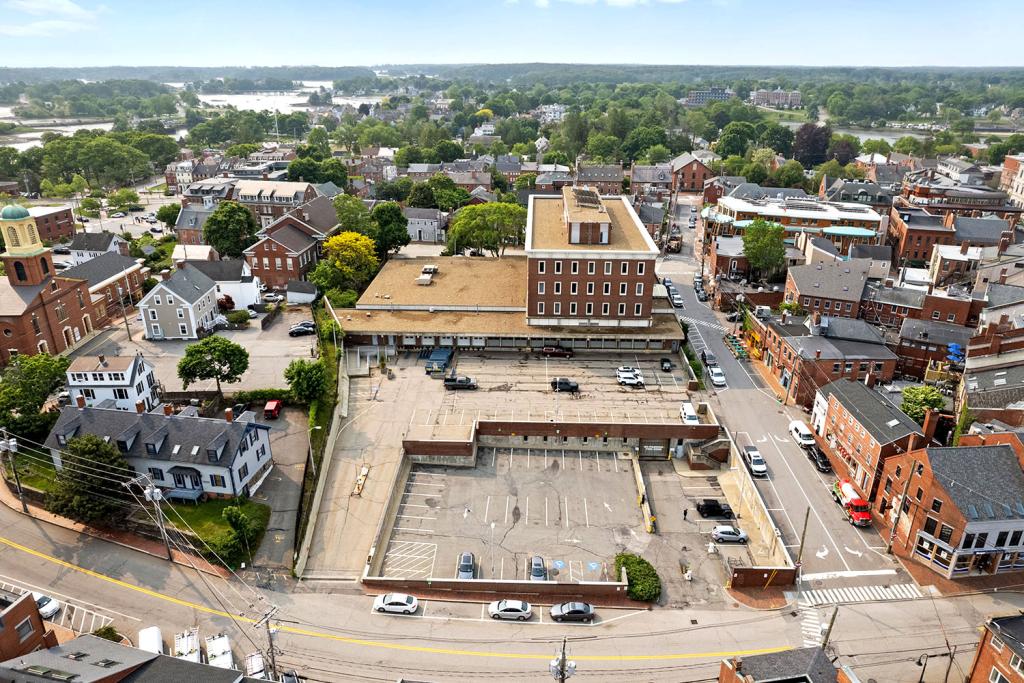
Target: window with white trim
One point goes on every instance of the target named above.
(591, 267)
(622, 288)
(572, 308)
(558, 288)
(607, 288)
(622, 309)
(639, 289)
(590, 308)
(590, 288)
(624, 268)
(996, 676)
(557, 308)
(605, 309)
(574, 267)
(638, 309)
(540, 267)
(540, 287)
(540, 308)
(574, 288)
(558, 267)
(607, 267)
(640, 267)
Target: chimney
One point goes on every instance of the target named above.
(738, 664)
(1002, 276)
(165, 274)
(995, 344)
(229, 414)
(140, 407)
(817, 354)
(80, 401)
(179, 264)
(103, 360)
(931, 421)
(869, 380)
(963, 247)
(168, 409)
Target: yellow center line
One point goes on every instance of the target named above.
(378, 644)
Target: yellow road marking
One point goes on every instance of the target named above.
(379, 644)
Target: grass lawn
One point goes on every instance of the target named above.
(162, 187)
(207, 519)
(34, 473)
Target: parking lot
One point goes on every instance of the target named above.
(574, 508)
(270, 350)
(518, 386)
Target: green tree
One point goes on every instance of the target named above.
(790, 174)
(353, 214)
(398, 190)
(603, 146)
(657, 154)
(168, 214)
(320, 143)
(25, 385)
(215, 358)
(230, 229)
(306, 169)
(917, 400)
(778, 138)
(488, 227)
(307, 379)
(526, 181)
(422, 197)
(391, 233)
(334, 171)
(88, 486)
(123, 199)
(810, 144)
(350, 261)
(875, 146)
(764, 247)
(242, 150)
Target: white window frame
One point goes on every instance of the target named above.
(540, 308)
(558, 267)
(622, 310)
(591, 267)
(540, 267)
(556, 309)
(607, 267)
(590, 308)
(624, 268)
(639, 289)
(640, 266)
(590, 289)
(540, 288)
(622, 288)
(572, 308)
(638, 310)
(607, 289)
(558, 288)
(574, 288)
(574, 267)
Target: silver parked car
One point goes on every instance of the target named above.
(467, 566)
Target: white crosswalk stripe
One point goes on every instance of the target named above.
(704, 323)
(831, 596)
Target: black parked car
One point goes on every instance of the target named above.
(565, 384)
(820, 460)
(573, 611)
(61, 250)
(458, 382)
(709, 507)
(301, 331)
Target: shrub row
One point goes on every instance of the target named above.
(643, 580)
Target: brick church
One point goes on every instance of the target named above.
(40, 311)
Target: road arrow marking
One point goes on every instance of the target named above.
(823, 553)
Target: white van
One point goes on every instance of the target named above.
(151, 640)
(802, 433)
(688, 414)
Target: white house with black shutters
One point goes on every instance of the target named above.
(189, 457)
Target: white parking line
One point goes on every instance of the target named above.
(586, 513)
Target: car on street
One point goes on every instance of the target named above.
(820, 460)
(667, 281)
(666, 364)
(726, 533)
(517, 610)
(83, 219)
(802, 433)
(466, 567)
(708, 359)
(305, 323)
(629, 379)
(118, 214)
(709, 507)
(151, 219)
(702, 295)
(755, 463)
(58, 265)
(573, 611)
(717, 376)
(459, 382)
(61, 250)
(48, 607)
(698, 277)
(556, 352)
(273, 298)
(301, 331)
(290, 677)
(677, 301)
(538, 569)
(156, 229)
(565, 384)
(396, 603)
(733, 317)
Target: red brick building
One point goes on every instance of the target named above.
(719, 186)
(861, 429)
(285, 254)
(591, 261)
(54, 223)
(888, 305)
(689, 174)
(913, 232)
(270, 199)
(606, 179)
(40, 312)
(960, 515)
(1000, 654)
(831, 289)
(922, 342)
(21, 627)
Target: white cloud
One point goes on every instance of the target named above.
(56, 17)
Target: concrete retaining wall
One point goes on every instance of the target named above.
(375, 559)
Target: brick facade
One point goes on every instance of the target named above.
(54, 223)
(590, 288)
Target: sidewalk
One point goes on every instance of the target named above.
(121, 538)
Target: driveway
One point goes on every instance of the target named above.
(283, 487)
(270, 351)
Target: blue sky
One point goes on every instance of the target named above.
(347, 32)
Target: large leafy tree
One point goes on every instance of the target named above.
(810, 145)
(230, 229)
(304, 169)
(488, 227)
(350, 261)
(917, 400)
(306, 378)
(88, 487)
(777, 137)
(391, 233)
(763, 246)
(353, 214)
(213, 358)
(168, 214)
(421, 197)
(24, 387)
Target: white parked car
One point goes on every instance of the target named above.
(272, 298)
(728, 534)
(758, 467)
(625, 369)
(510, 609)
(717, 376)
(397, 603)
(629, 379)
(48, 607)
(117, 214)
(802, 433)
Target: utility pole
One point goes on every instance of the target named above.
(803, 535)
(265, 622)
(10, 446)
(828, 631)
(899, 510)
(561, 667)
(154, 495)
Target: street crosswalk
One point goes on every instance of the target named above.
(810, 626)
(704, 323)
(832, 596)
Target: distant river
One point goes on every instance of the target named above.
(284, 102)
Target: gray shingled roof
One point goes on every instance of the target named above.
(189, 284)
(825, 245)
(836, 280)
(184, 439)
(875, 252)
(318, 213)
(884, 421)
(92, 241)
(103, 267)
(660, 173)
(985, 482)
(980, 231)
(192, 217)
(92, 649)
(291, 238)
(650, 215)
(851, 329)
(165, 669)
(1001, 295)
(606, 172)
(301, 287)
(422, 214)
(805, 665)
(220, 271)
(936, 332)
(1010, 630)
(996, 388)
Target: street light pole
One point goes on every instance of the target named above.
(561, 667)
(10, 446)
(309, 446)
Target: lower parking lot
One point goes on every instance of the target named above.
(576, 509)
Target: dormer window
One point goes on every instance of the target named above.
(151, 448)
(122, 445)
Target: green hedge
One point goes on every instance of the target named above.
(263, 395)
(644, 584)
(238, 317)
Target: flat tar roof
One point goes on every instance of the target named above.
(460, 281)
(547, 230)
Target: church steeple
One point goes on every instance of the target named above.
(26, 261)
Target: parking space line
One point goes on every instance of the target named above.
(427, 474)
(563, 458)
(494, 456)
(566, 512)
(527, 510)
(415, 517)
(527, 458)
(545, 510)
(581, 461)
(597, 459)
(586, 512)
(507, 501)
(405, 528)
(615, 461)
(487, 509)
